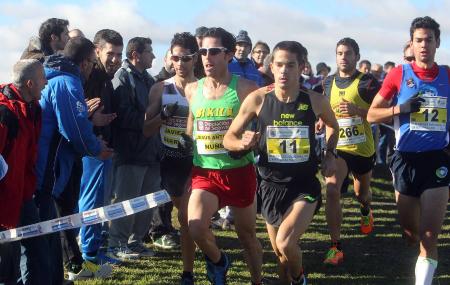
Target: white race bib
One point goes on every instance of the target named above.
(351, 131)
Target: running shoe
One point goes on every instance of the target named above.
(91, 270)
(334, 256)
(367, 223)
(217, 275)
(103, 258)
(141, 250)
(123, 253)
(166, 242)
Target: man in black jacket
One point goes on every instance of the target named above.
(136, 169)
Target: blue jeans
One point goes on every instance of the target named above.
(34, 260)
(93, 183)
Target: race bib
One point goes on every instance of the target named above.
(287, 144)
(171, 131)
(432, 115)
(351, 131)
(209, 136)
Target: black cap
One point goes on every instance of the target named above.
(243, 37)
(321, 66)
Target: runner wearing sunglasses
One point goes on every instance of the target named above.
(217, 179)
(168, 114)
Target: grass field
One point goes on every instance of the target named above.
(381, 258)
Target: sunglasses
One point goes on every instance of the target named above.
(212, 51)
(409, 58)
(183, 58)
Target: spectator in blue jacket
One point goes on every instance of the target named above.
(66, 134)
(240, 64)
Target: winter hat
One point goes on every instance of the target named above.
(243, 37)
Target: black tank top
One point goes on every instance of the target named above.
(287, 142)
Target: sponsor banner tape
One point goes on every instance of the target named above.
(90, 217)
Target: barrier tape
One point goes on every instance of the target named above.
(90, 217)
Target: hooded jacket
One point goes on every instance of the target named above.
(20, 123)
(66, 132)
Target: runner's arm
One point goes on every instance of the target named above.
(189, 93)
(152, 121)
(380, 111)
(236, 138)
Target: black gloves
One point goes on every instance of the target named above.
(186, 144)
(412, 105)
(169, 110)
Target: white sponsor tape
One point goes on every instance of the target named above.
(91, 217)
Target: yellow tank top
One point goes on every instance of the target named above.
(355, 134)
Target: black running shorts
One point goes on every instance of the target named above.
(414, 173)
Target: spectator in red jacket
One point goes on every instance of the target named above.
(20, 121)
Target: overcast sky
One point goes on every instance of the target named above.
(380, 27)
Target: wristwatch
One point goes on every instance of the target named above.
(332, 151)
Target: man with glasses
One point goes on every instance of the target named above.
(220, 178)
(168, 114)
(136, 160)
(66, 134)
(415, 96)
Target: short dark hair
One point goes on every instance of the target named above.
(294, 47)
(52, 26)
(185, 40)
(200, 31)
(227, 39)
(78, 49)
(261, 43)
(350, 43)
(107, 36)
(364, 61)
(389, 63)
(137, 44)
(425, 23)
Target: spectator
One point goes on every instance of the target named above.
(240, 64)
(136, 157)
(53, 37)
(20, 122)
(66, 134)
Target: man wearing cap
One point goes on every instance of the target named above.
(240, 64)
(322, 71)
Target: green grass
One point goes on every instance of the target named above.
(381, 258)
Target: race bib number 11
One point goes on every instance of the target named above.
(287, 144)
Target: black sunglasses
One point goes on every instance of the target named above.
(409, 58)
(183, 58)
(211, 51)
